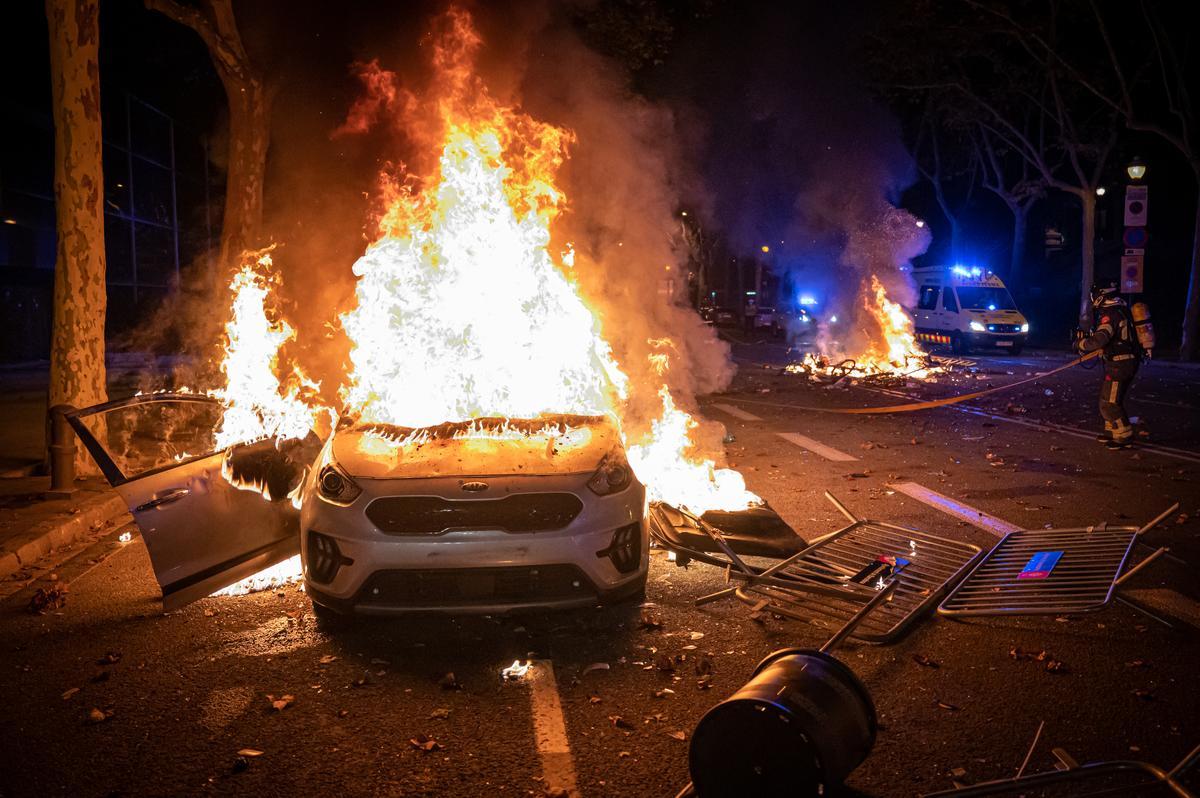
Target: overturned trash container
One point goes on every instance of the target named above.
(799, 727)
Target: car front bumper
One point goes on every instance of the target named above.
(478, 570)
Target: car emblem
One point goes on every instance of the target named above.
(474, 487)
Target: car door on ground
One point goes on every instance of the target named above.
(209, 516)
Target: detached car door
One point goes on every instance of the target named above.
(209, 516)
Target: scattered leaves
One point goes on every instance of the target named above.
(677, 735)
(424, 743)
(98, 716)
(441, 713)
(949, 707)
(42, 600)
(649, 621)
(69, 692)
(921, 659)
(111, 658)
(620, 722)
(281, 703)
(250, 753)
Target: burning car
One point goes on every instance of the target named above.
(489, 515)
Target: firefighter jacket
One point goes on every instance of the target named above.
(1116, 338)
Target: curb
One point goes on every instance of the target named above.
(47, 536)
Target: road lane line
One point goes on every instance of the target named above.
(737, 412)
(965, 512)
(816, 447)
(558, 770)
(1082, 434)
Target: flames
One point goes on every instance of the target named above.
(466, 307)
(256, 405)
(672, 474)
(891, 349)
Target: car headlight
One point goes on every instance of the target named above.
(1025, 327)
(613, 475)
(976, 327)
(333, 485)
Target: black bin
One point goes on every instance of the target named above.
(800, 726)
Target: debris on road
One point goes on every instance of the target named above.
(517, 670)
(98, 716)
(425, 743)
(595, 666)
(281, 703)
(441, 713)
(921, 659)
(52, 599)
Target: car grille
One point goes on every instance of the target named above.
(432, 515)
(464, 587)
(1004, 328)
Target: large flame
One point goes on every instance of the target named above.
(463, 309)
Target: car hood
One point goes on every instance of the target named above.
(559, 444)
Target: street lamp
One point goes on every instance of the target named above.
(1136, 169)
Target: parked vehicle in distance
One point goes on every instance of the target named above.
(967, 308)
(767, 319)
(487, 515)
(721, 316)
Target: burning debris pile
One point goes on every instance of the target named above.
(891, 349)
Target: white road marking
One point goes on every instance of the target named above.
(1152, 448)
(737, 412)
(938, 501)
(550, 730)
(816, 447)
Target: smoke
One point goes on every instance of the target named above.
(625, 181)
(799, 155)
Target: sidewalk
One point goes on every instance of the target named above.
(32, 527)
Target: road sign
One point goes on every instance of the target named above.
(1136, 199)
(1136, 237)
(1132, 271)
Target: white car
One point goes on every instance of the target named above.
(486, 516)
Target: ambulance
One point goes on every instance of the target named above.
(968, 308)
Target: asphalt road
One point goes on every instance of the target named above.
(182, 693)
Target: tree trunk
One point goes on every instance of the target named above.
(1191, 310)
(1016, 261)
(1087, 202)
(249, 136)
(77, 373)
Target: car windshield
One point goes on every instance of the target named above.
(986, 298)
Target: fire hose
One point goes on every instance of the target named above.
(951, 400)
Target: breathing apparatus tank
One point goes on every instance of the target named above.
(1143, 325)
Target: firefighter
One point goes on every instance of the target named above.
(1117, 341)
